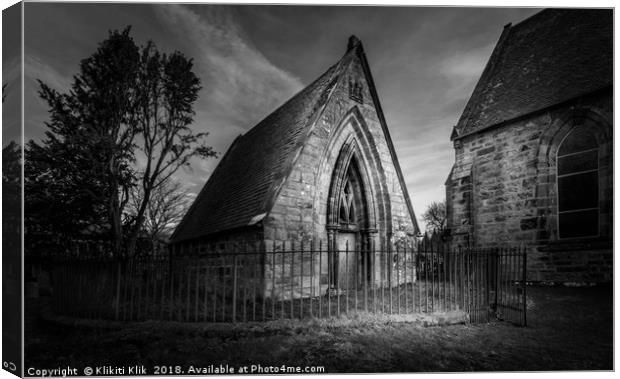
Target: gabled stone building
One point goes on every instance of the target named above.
(320, 167)
(534, 147)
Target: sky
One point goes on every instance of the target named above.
(252, 58)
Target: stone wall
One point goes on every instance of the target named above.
(290, 274)
(246, 239)
(283, 270)
(502, 191)
(294, 275)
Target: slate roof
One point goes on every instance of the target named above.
(552, 57)
(256, 164)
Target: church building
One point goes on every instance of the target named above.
(321, 167)
(534, 148)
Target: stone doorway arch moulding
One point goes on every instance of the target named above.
(352, 152)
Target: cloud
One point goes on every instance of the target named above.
(241, 86)
(11, 110)
(421, 130)
(426, 155)
(463, 69)
(35, 69)
(35, 108)
(11, 69)
(194, 177)
(466, 64)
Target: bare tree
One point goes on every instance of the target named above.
(435, 216)
(167, 205)
(168, 90)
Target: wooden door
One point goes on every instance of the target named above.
(346, 271)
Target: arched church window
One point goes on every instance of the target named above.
(578, 185)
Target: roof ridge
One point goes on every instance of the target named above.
(489, 69)
(205, 186)
(317, 110)
(534, 17)
(296, 96)
(541, 62)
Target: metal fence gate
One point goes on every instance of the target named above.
(491, 281)
(294, 280)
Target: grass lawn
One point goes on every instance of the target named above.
(568, 329)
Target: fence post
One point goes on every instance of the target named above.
(374, 275)
(132, 284)
(319, 277)
(443, 267)
(172, 302)
(118, 291)
(189, 277)
(364, 246)
(461, 279)
(418, 275)
(292, 263)
(273, 280)
(163, 288)
(346, 276)
(197, 289)
(312, 271)
(382, 274)
(496, 258)
(245, 281)
(282, 280)
(357, 260)
(390, 265)
(336, 271)
(487, 291)
(432, 267)
(234, 294)
(262, 274)
(301, 281)
(405, 282)
(524, 284)
(398, 277)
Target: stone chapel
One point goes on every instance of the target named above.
(534, 148)
(320, 167)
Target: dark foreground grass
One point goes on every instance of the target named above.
(568, 329)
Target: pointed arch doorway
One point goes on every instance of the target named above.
(348, 224)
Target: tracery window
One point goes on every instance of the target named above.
(578, 185)
(347, 204)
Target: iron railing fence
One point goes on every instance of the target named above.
(296, 281)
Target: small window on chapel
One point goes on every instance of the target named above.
(578, 187)
(356, 90)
